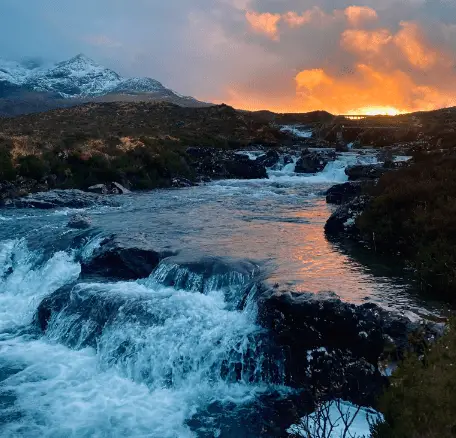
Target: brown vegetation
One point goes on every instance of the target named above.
(413, 213)
(421, 399)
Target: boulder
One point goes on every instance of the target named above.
(270, 159)
(333, 346)
(203, 274)
(181, 182)
(363, 172)
(342, 147)
(61, 198)
(80, 222)
(341, 193)
(287, 159)
(313, 162)
(124, 257)
(245, 169)
(343, 220)
(98, 188)
(119, 188)
(91, 307)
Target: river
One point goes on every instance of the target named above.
(160, 364)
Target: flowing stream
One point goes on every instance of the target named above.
(153, 358)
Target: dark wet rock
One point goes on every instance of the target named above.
(118, 188)
(11, 190)
(268, 416)
(270, 159)
(124, 257)
(287, 159)
(210, 163)
(341, 193)
(101, 189)
(181, 182)
(342, 147)
(313, 161)
(245, 169)
(201, 273)
(363, 172)
(61, 198)
(113, 188)
(79, 221)
(90, 307)
(334, 346)
(343, 220)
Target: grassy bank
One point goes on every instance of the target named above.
(413, 214)
(421, 399)
(140, 145)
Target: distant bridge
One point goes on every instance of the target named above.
(354, 116)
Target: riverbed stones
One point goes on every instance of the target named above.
(80, 222)
(342, 193)
(126, 257)
(61, 198)
(98, 188)
(313, 161)
(270, 159)
(334, 346)
(365, 172)
(343, 220)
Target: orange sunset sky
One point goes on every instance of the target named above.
(344, 56)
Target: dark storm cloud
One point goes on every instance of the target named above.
(283, 54)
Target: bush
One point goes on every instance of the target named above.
(31, 166)
(421, 400)
(413, 213)
(7, 171)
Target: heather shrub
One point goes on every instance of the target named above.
(421, 399)
(413, 213)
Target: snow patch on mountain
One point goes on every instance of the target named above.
(13, 72)
(138, 85)
(79, 76)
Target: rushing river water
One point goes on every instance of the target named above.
(160, 365)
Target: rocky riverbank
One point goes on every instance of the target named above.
(406, 212)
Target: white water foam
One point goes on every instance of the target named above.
(160, 357)
(298, 131)
(24, 281)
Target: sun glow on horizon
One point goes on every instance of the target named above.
(377, 111)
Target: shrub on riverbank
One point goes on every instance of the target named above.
(421, 400)
(413, 213)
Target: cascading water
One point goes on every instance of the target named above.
(120, 359)
(177, 354)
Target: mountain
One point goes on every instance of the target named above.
(33, 88)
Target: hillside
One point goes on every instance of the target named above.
(141, 145)
(215, 125)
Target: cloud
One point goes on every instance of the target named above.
(410, 40)
(295, 55)
(363, 41)
(357, 15)
(264, 23)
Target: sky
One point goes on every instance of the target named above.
(346, 57)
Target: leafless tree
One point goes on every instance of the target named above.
(324, 424)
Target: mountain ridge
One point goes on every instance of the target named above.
(72, 82)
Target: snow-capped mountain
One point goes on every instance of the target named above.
(78, 77)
